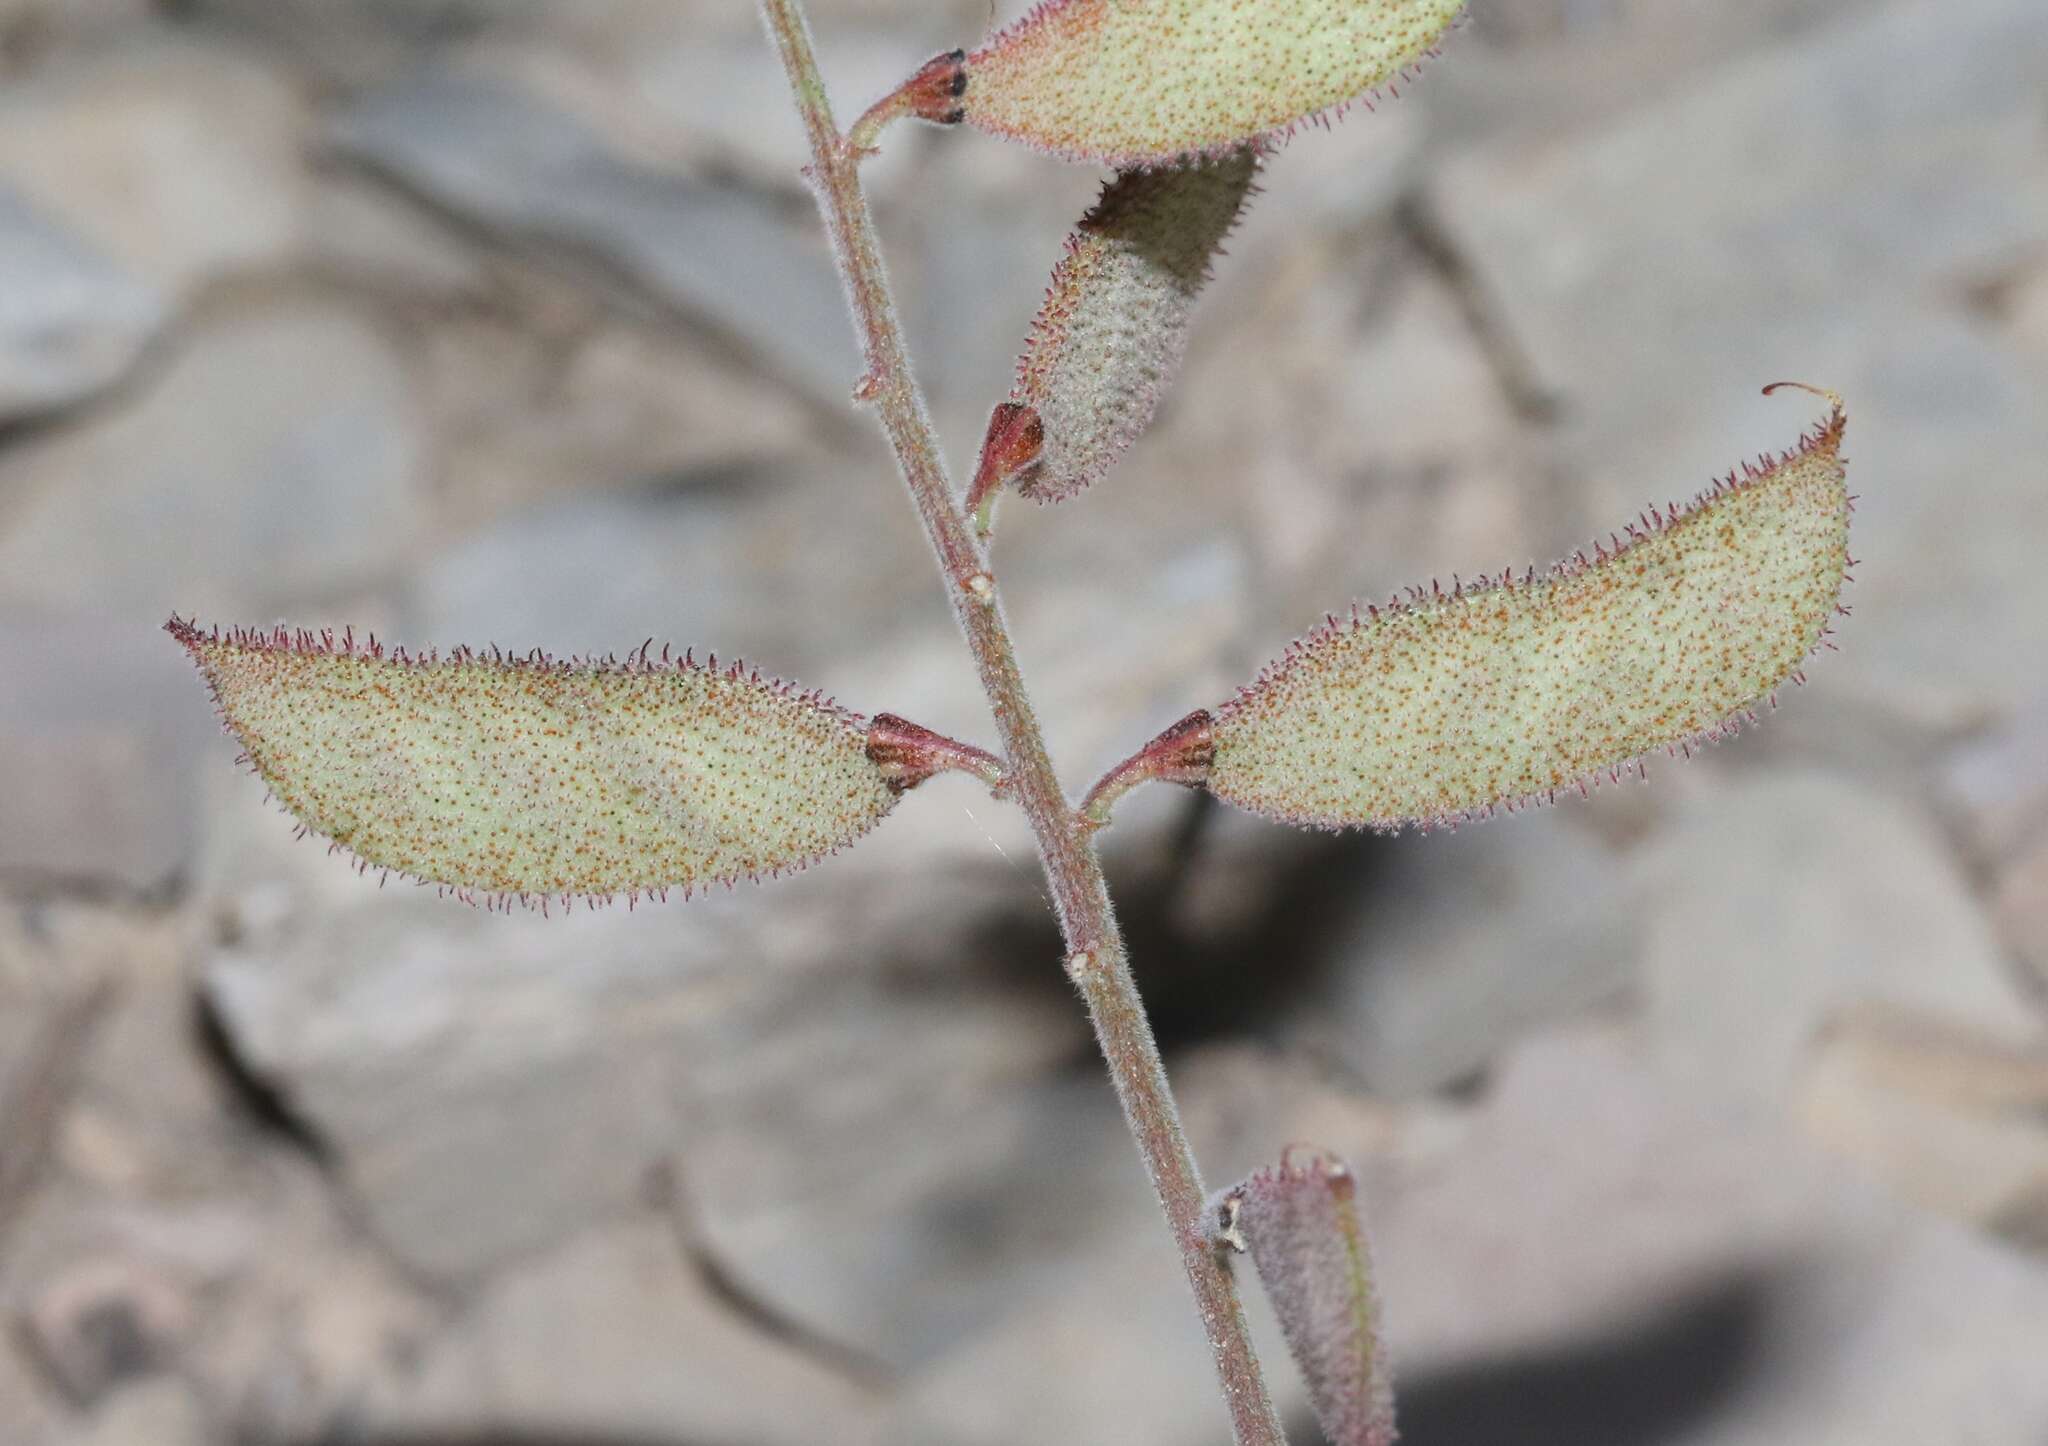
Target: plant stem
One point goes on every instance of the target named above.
(1096, 960)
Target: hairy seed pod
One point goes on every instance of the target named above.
(1451, 703)
(1300, 1225)
(1110, 335)
(531, 778)
(1128, 83)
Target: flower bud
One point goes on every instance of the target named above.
(1299, 1223)
(1110, 336)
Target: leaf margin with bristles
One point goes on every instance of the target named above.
(326, 642)
(1649, 523)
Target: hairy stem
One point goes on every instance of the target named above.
(1096, 959)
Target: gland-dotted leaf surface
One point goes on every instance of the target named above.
(1300, 1225)
(508, 777)
(1113, 328)
(1141, 82)
(1454, 702)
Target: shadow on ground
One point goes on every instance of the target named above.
(1651, 1380)
(1203, 984)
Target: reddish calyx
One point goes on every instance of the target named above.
(1182, 754)
(909, 753)
(1014, 443)
(932, 94)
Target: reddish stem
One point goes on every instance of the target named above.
(1096, 959)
